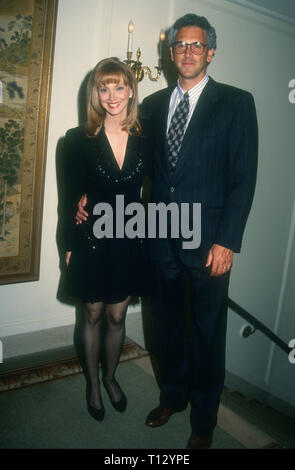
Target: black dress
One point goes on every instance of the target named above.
(103, 269)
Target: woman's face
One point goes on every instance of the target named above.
(114, 98)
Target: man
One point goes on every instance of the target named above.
(205, 151)
(214, 163)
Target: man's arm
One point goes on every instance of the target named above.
(243, 153)
(81, 214)
(242, 170)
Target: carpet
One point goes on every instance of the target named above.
(53, 415)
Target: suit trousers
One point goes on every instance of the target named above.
(191, 355)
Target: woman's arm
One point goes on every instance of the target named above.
(74, 183)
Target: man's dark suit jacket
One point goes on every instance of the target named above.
(216, 167)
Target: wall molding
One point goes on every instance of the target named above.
(102, 33)
(291, 241)
(240, 10)
(264, 11)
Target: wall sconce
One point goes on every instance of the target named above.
(135, 65)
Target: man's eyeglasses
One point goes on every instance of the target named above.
(197, 48)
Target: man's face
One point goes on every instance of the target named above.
(189, 65)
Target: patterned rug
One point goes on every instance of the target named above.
(26, 375)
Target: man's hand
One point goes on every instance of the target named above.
(220, 259)
(81, 214)
(68, 256)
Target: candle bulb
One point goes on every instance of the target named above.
(130, 35)
(162, 39)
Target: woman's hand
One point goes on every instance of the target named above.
(68, 256)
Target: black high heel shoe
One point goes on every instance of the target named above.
(95, 413)
(120, 405)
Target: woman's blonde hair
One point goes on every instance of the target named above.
(107, 71)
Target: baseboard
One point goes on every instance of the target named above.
(235, 383)
(52, 365)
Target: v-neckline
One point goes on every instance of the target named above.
(113, 155)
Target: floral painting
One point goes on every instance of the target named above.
(26, 51)
(16, 31)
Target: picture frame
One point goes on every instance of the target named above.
(26, 59)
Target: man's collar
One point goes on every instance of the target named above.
(191, 90)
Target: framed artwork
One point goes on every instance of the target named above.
(27, 31)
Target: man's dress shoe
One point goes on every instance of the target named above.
(196, 442)
(159, 416)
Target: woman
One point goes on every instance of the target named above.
(104, 159)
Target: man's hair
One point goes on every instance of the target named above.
(193, 20)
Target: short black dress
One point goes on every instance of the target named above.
(107, 268)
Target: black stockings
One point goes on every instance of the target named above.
(99, 341)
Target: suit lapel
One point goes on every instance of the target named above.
(203, 112)
(163, 111)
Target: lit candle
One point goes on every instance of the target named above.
(162, 39)
(130, 35)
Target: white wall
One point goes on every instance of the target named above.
(254, 52)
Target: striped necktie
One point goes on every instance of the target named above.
(176, 131)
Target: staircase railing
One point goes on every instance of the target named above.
(257, 325)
